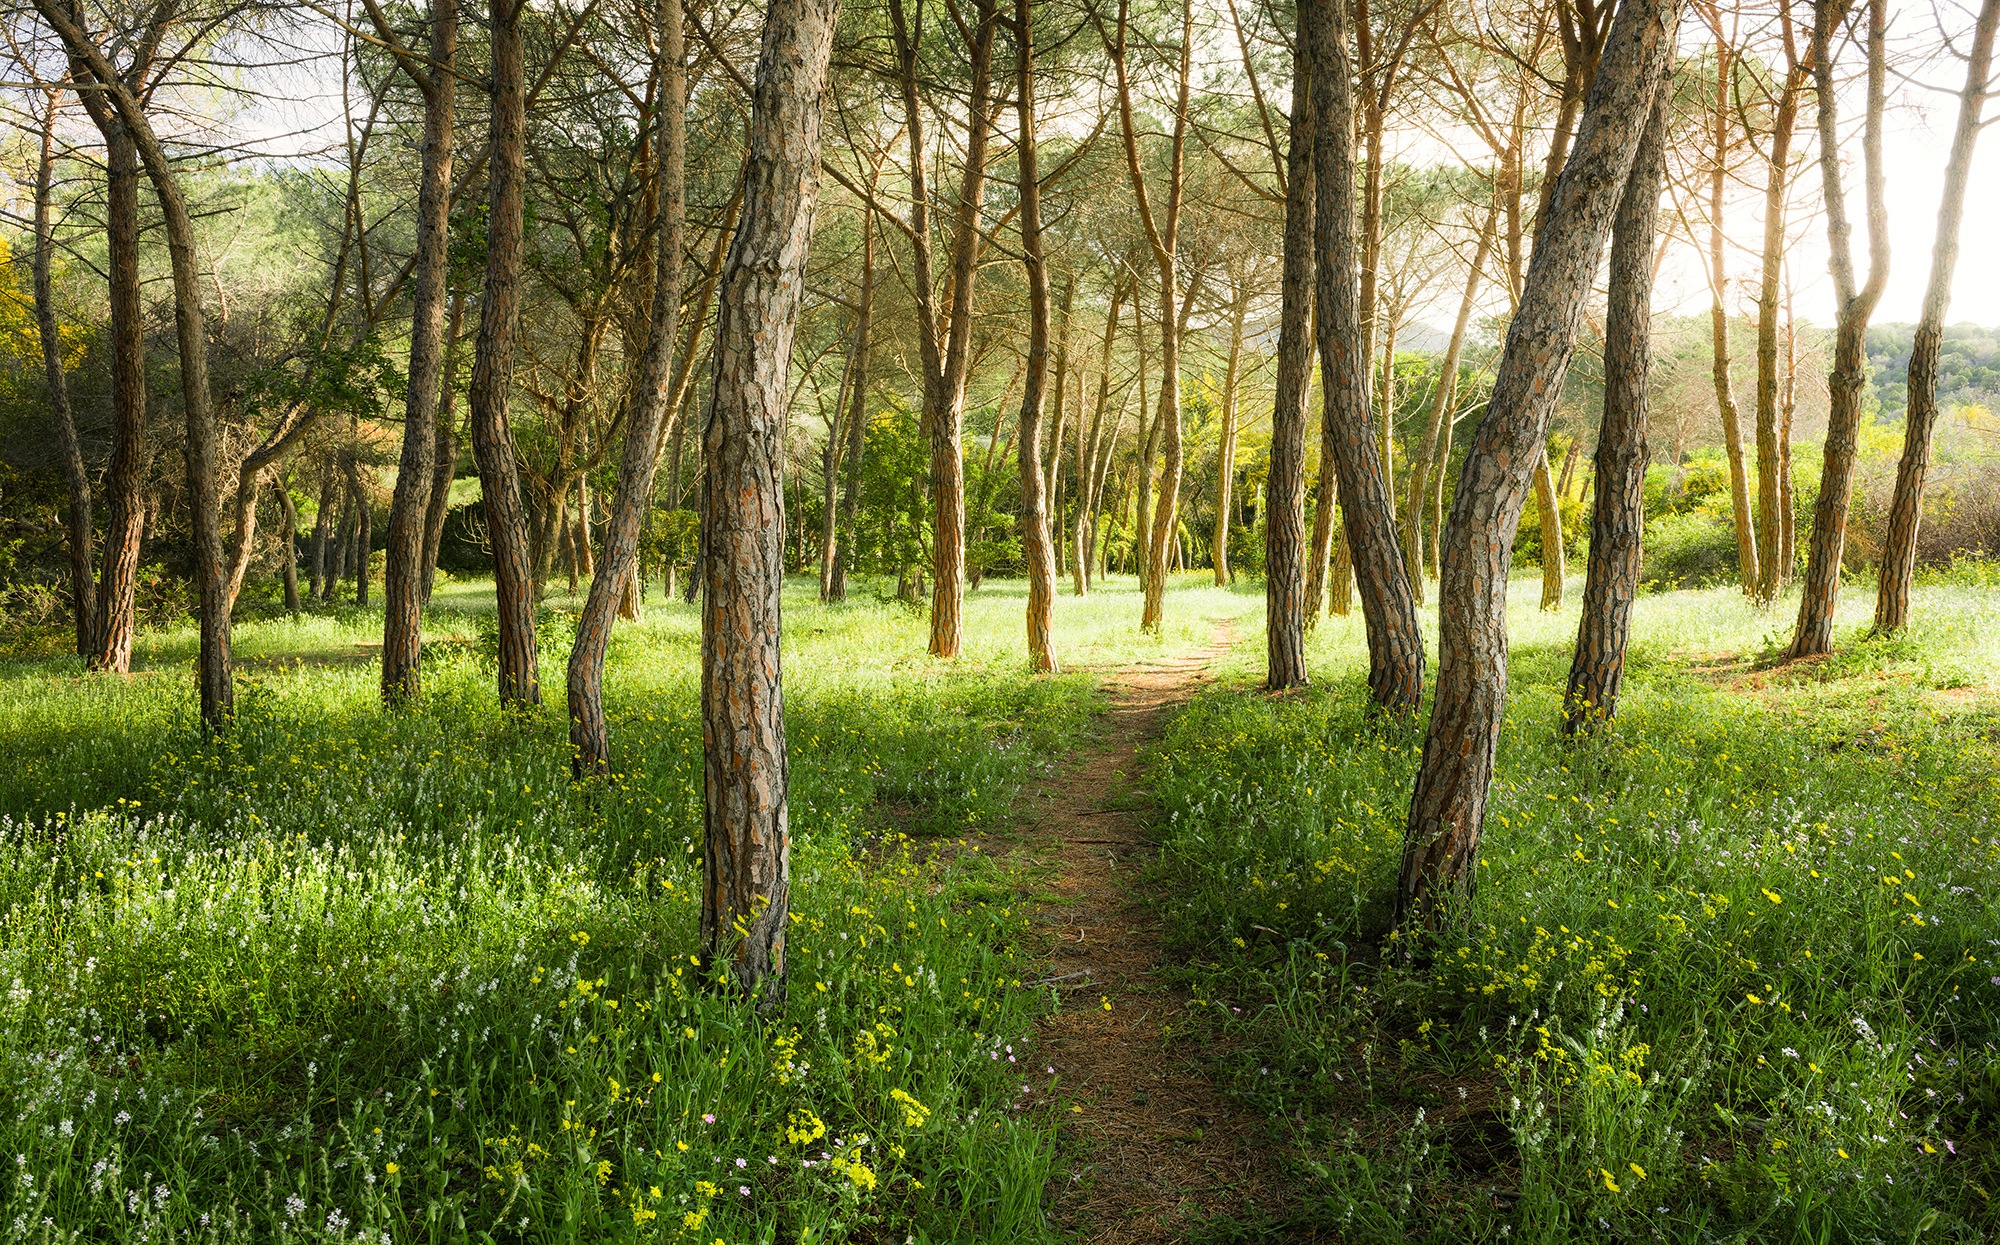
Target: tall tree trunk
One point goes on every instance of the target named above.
(1148, 446)
(1787, 407)
(364, 541)
(1395, 647)
(325, 528)
(403, 577)
(1847, 382)
(1449, 805)
(1291, 596)
(746, 879)
(1770, 470)
(1442, 402)
(77, 520)
(289, 535)
(589, 736)
(125, 475)
(493, 363)
(1225, 450)
(444, 451)
(204, 492)
(1163, 239)
(1718, 324)
(1899, 542)
(1037, 547)
(1618, 513)
(857, 414)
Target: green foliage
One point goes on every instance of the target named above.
(1726, 975)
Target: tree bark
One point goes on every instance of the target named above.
(289, 535)
(1899, 542)
(746, 883)
(1037, 546)
(125, 474)
(1290, 605)
(1820, 590)
(493, 363)
(77, 516)
(1549, 508)
(589, 736)
(857, 415)
(1770, 465)
(1395, 647)
(1618, 513)
(325, 527)
(212, 665)
(1225, 450)
(1449, 805)
(403, 578)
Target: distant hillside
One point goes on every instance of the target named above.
(1968, 366)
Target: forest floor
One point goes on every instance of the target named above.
(1153, 1149)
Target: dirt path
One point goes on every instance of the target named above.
(1156, 1149)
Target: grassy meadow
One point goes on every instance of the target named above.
(1728, 974)
(344, 975)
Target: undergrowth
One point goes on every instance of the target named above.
(1728, 973)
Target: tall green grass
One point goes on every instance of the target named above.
(348, 975)
(1729, 971)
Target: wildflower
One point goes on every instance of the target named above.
(1637, 1170)
(1609, 1183)
(391, 1168)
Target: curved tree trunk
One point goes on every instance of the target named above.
(493, 365)
(1289, 603)
(1036, 545)
(746, 876)
(1395, 647)
(1847, 381)
(403, 577)
(1448, 808)
(1899, 542)
(1618, 514)
(589, 736)
(125, 475)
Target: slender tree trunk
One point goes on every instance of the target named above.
(1395, 647)
(1820, 590)
(1148, 448)
(403, 578)
(1548, 507)
(1290, 604)
(857, 415)
(1449, 805)
(1718, 321)
(1618, 514)
(746, 880)
(1899, 541)
(589, 736)
(493, 363)
(364, 542)
(444, 451)
(125, 475)
(77, 518)
(289, 535)
(1442, 402)
(1770, 470)
(325, 530)
(1225, 450)
(1037, 547)
(1788, 406)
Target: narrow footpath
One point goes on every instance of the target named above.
(1152, 1150)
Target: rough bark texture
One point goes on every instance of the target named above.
(493, 364)
(288, 536)
(1037, 546)
(1618, 513)
(1899, 541)
(589, 736)
(1395, 647)
(1548, 508)
(204, 493)
(403, 576)
(125, 475)
(1847, 381)
(746, 883)
(1449, 805)
(1225, 452)
(1288, 602)
(76, 516)
(444, 451)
